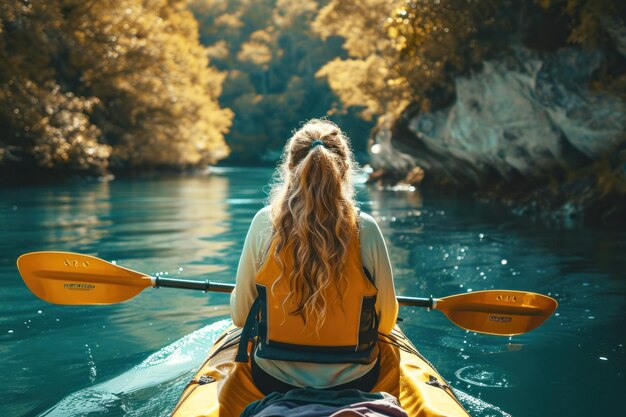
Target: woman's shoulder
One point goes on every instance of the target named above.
(263, 212)
(260, 230)
(369, 227)
(262, 217)
(367, 220)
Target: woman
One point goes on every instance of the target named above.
(314, 283)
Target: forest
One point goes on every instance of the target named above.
(524, 100)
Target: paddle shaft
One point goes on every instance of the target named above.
(209, 286)
(77, 279)
(188, 284)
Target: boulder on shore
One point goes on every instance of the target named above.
(526, 123)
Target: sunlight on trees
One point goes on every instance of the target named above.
(358, 22)
(366, 83)
(419, 47)
(103, 83)
(100, 84)
(271, 56)
(364, 80)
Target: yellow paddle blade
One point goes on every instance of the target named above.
(497, 312)
(72, 278)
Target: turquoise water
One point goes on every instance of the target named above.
(132, 359)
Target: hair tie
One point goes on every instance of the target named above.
(317, 142)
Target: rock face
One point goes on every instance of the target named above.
(529, 117)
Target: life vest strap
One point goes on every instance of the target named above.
(249, 330)
(317, 354)
(368, 326)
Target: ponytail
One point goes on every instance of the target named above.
(314, 216)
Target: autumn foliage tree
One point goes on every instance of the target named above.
(409, 52)
(87, 85)
(404, 52)
(271, 56)
(407, 56)
(91, 85)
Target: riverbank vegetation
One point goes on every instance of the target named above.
(507, 98)
(412, 51)
(98, 85)
(271, 53)
(522, 101)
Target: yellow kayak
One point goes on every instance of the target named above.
(223, 387)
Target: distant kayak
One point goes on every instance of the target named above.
(419, 387)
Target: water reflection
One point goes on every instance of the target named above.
(170, 222)
(72, 220)
(78, 214)
(400, 216)
(195, 228)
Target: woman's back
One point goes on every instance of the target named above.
(311, 269)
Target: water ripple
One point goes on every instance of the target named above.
(115, 396)
(483, 376)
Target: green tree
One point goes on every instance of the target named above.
(271, 55)
(87, 85)
(598, 24)
(409, 52)
(405, 52)
(42, 123)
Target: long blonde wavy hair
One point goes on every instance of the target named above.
(314, 214)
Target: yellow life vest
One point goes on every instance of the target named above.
(348, 335)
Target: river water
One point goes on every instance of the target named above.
(133, 359)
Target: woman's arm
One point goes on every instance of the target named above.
(376, 260)
(245, 292)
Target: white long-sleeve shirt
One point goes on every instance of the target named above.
(375, 258)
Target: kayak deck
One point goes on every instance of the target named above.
(223, 388)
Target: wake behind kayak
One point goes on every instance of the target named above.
(154, 386)
(149, 388)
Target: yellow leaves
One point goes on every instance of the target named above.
(365, 84)
(206, 7)
(256, 53)
(265, 36)
(358, 22)
(260, 48)
(219, 50)
(230, 21)
(374, 32)
(400, 43)
(287, 12)
(589, 18)
(395, 82)
(66, 137)
(402, 51)
(148, 80)
(393, 32)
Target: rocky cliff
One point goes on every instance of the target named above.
(517, 126)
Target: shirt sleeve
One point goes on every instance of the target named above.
(245, 292)
(376, 259)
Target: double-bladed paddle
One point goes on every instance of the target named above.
(72, 278)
